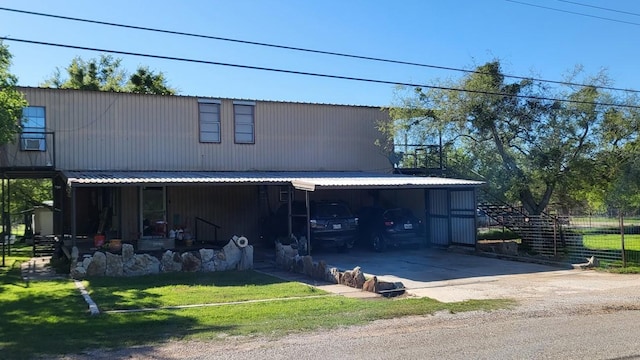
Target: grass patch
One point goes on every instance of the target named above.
(174, 289)
(615, 267)
(611, 242)
(52, 318)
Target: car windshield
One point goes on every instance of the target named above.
(332, 210)
(397, 214)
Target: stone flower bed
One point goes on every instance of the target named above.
(287, 258)
(233, 256)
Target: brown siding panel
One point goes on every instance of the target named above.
(118, 131)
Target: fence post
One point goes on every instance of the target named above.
(624, 257)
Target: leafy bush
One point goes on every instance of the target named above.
(498, 235)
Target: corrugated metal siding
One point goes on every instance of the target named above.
(117, 131)
(130, 214)
(234, 208)
(463, 231)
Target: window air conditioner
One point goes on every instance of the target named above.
(33, 144)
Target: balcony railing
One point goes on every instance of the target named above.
(30, 150)
(416, 157)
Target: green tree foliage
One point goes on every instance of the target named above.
(11, 100)
(27, 193)
(107, 74)
(144, 81)
(527, 146)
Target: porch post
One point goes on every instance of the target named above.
(7, 218)
(73, 216)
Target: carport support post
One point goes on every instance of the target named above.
(7, 219)
(306, 187)
(306, 200)
(73, 216)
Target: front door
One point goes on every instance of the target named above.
(153, 211)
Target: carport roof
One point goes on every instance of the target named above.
(324, 180)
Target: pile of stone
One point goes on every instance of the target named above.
(236, 255)
(287, 258)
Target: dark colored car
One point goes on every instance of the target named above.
(381, 228)
(332, 224)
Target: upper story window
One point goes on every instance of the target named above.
(244, 117)
(209, 121)
(33, 129)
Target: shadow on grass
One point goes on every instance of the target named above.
(57, 322)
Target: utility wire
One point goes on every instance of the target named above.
(599, 7)
(284, 47)
(574, 12)
(387, 82)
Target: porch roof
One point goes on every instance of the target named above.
(324, 180)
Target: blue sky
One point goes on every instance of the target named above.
(528, 40)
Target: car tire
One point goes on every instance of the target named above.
(344, 248)
(378, 243)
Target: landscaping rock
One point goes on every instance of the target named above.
(74, 253)
(333, 275)
(142, 264)
(246, 261)
(232, 253)
(358, 277)
(206, 255)
(390, 288)
(307, 265)
(285, 255)
(190, 262)
(127, 253)
(371, 285)
(171, 261)
(98, 264)
(78, 272)
(114, 265)
(208, 266)
(319, 270)
(347, 279)
(508, 248)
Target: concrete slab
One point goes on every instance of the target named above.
(451, 277)
(270, 269)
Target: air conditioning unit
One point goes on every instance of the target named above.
(33, 144)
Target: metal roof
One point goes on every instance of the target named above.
(326, 180)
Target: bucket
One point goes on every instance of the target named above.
(98, 240)
(115, 245)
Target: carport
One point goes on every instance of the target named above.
(234, 201)
(448, 205)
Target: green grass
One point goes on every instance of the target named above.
(174, 289)
(611, 241)
(52, 318)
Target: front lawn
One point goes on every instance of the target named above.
(52, 318)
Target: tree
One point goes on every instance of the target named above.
(11, 100)
(144, 81)
(106, 74)
(517, 136)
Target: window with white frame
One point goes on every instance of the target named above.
(244, 118)
(32, 137)
(209, 121)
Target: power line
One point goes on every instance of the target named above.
(574, 12)
(599, 7)
(322, 52)
(294, 72)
